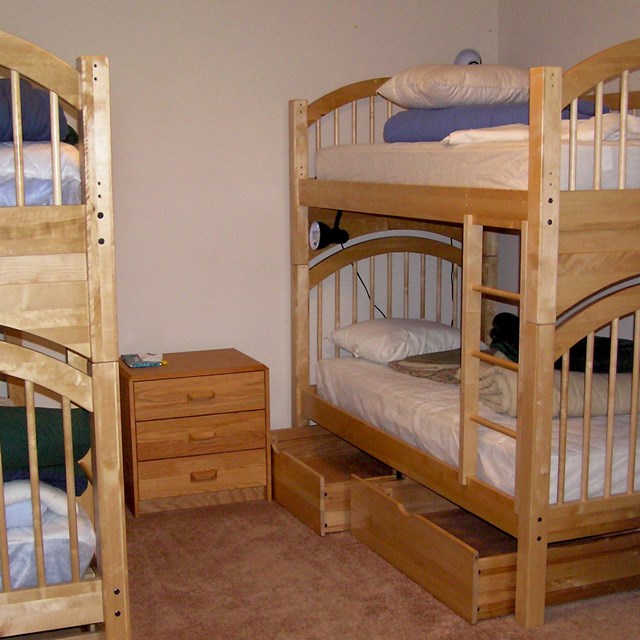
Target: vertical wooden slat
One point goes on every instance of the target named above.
(69, 463)
(4, 543)
(389, 285)
(354, 122)
(319, 321)
(405, 291)
(18, 148)
(372, 287)
(337, 294)
(611, 406)
(354, 295)
(633, 418)
(586, 419)
(38, 539)
(562, 430)
(573, 144)
(455, 286)
(56, 180)
(622, 149)
(597, 139)
(423, 286)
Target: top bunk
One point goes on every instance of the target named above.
(56, 223)
(566, 168)
(463, 165)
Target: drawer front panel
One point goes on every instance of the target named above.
(201, 435)
(199, 395)
(200, 474)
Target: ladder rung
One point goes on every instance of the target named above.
(493, 425)
(500, 293)
(498, 362)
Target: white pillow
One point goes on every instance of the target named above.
(390, 339)
(435, 86)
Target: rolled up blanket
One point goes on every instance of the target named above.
(499, 391)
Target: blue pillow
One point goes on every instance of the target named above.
(432, 125)
(36, 124)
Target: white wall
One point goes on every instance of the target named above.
(199, 105)
(548, 32)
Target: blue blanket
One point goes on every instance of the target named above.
(36, 125)
(433, 125)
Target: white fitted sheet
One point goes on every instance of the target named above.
(496, 165)
(37, 174)
(425, 414)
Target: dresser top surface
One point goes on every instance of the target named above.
(194, 363)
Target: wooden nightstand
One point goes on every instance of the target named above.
(195, 431)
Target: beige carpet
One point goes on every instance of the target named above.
(251, 570)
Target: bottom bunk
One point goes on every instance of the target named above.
(62, 553)
(450, 423)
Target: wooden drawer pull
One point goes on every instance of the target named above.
(202, 436)
(208, 398)
(203, 476)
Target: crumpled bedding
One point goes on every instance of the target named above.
(37, 174)
(499, 391)
(20, 534)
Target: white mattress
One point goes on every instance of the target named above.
(37, 174)
(497, 165)
(425, 414)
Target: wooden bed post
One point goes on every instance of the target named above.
(107, 446)
(299, 168)
(538, 316)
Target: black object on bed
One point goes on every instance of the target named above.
(505, 338)
(50, 445)
(36, 123)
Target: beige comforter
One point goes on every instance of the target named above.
(499, 391)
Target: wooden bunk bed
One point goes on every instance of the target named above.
(578, 259)
(59, 349)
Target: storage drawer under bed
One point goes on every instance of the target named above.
(470, 565)
(311, 471)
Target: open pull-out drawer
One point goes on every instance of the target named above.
(470, 565)
(312, 471)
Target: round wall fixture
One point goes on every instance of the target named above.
(468, 56)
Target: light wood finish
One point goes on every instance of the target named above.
(469, 565)
(58, 314)
(312, 471)
(574, 245)
(196, 431)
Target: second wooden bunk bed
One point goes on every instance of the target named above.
(579, 254)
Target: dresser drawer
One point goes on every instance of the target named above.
(199, 395)
(199, 435)
(199, 474)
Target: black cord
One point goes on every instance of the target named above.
(375, 306)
